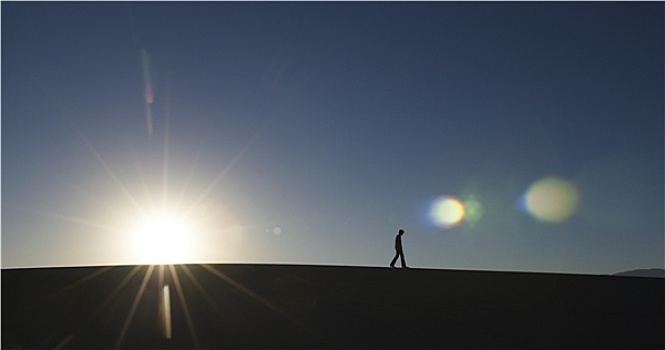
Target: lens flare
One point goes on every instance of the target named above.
(550, 199)
(447, 212)
(166, 311)
(147, 78)
(147, 89)
(473, 209)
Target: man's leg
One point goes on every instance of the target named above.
(392, 263)
(403, 261)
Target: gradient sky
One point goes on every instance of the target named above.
(309, 133)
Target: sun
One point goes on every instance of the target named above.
(163, 238)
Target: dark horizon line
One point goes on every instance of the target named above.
(624, 273)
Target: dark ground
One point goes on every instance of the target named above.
(282, 306)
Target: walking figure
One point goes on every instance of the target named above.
(398, 251)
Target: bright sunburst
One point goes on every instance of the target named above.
(163, 238)
(154, 226)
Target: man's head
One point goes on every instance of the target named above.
(401, 232)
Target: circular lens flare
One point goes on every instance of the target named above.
(551, 199)
(447, 212)
(473, 209)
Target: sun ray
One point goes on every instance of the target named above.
(79, 282)
(160, 278)
(252, 140)
(144, 184)
(185, 309)
(81, 328)
(109, 171)
(163, 312)
(252, 295)
(116, 290)
(132, 310)
(64, 342)
(165, 156)
(188, 180)
(200, 288)
(120, 212)
(166, 311)
(81, 221)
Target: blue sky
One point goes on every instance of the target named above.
(309, 133)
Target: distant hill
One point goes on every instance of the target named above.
(655, 272)
(329, 307)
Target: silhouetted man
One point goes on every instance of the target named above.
(398, 251)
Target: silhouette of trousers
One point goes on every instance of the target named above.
(398, 253)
